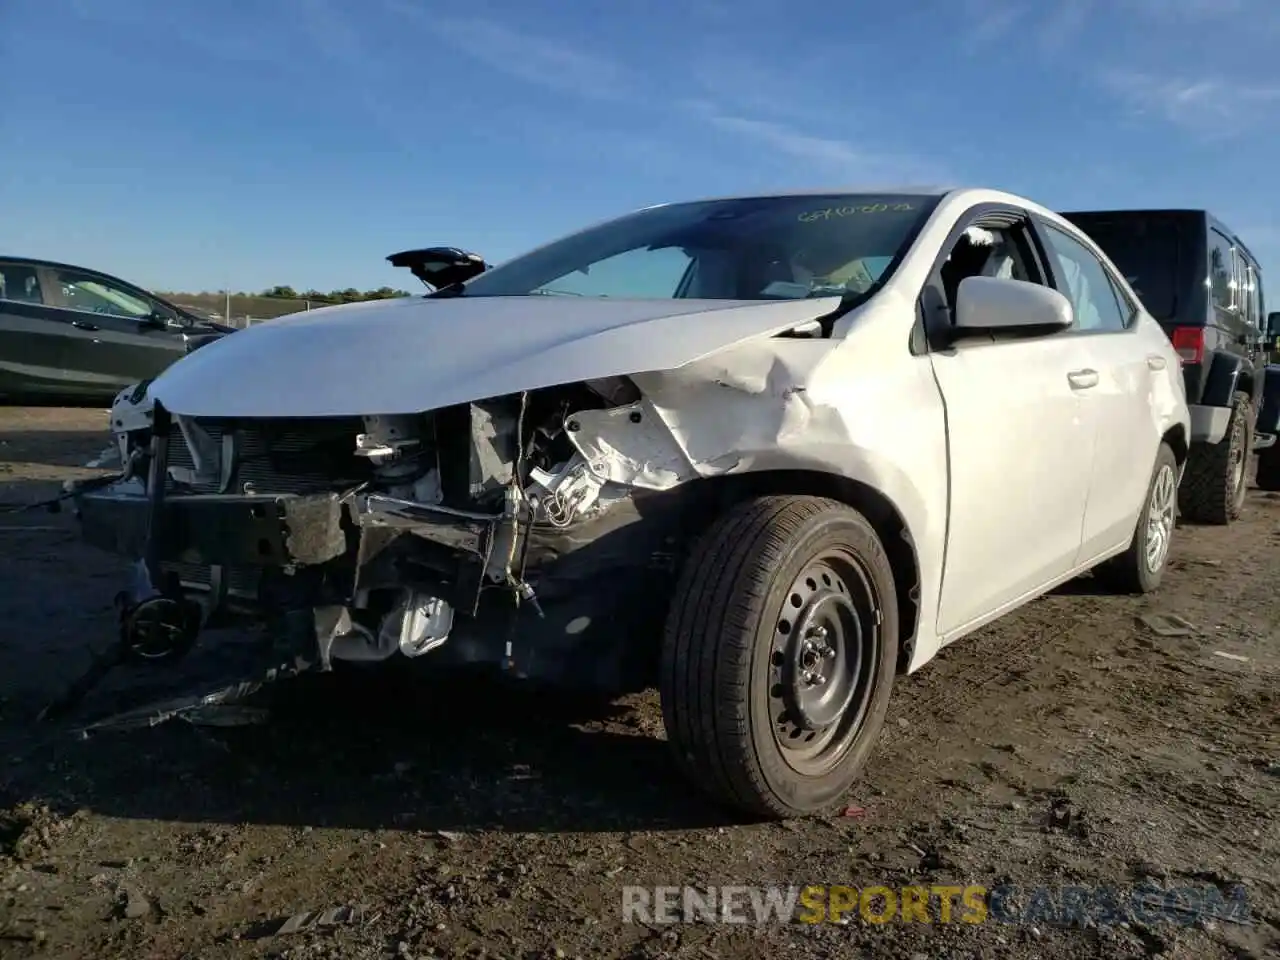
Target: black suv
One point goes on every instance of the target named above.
(1199, 280)
(74, 334)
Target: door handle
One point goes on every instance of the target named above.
(1082, 379)
(84, 325)
(1156, 363)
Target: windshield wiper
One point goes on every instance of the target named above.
(450, 290)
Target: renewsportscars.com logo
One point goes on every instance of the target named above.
(945, 904)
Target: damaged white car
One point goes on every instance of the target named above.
(764, 453)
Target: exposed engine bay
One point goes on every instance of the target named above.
(479, 533)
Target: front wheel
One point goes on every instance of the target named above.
(779, 655)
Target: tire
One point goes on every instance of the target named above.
(1141, 568)
(723, 688)
(1216, 480)
(1268, 469)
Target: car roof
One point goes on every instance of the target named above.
(1208, 215)
(59, 265)
(1135, 211)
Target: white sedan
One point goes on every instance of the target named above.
(765, 453)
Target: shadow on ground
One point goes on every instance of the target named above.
(378, 750)
(34, 463)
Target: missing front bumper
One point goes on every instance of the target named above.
(362, 575)
(224, 530)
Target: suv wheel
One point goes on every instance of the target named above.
(1213, 488)
(779, 655)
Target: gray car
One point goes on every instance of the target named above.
(69, 333)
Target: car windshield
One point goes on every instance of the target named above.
(743, 249)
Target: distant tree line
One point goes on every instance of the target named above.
(349, 295)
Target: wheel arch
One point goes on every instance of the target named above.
(1176, 438)
(1251, 381)
(881, 512)
(1269, 408)
(1229, 374)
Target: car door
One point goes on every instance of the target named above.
(32, 332)
(116, 337)
(1126, 364)
(1020, 435)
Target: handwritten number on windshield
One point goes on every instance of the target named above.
(835, 212)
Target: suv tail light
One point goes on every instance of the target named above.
(1189, 342)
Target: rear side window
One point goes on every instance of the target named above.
(1249, 293)
(20, 283)
(1222, 281)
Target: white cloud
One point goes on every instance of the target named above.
(753, 96)
(989, 20)
(1213, 108)
(832, 158)
(538, 60)
(1190, 9)
(1062, 23)
(816, 150)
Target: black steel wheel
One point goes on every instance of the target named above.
(826, 646)
(779, 655)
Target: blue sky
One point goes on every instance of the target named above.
(188, 144)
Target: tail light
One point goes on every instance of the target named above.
(1189, 343)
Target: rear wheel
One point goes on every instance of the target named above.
(779, 655)
(1216, 480)
(1141, 568)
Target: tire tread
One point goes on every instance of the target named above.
(1205, 494)
(709, 642)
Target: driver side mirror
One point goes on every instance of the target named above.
(154, 319)
(991, 305)
(1273, 324)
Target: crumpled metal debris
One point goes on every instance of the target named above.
(310, 920)
(217, 707)
(1167, 624)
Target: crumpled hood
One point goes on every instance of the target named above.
(410, 355)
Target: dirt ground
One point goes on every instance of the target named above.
(1069, 745)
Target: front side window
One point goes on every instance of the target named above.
(1089, 288)
(767, 248)
(93, 294)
